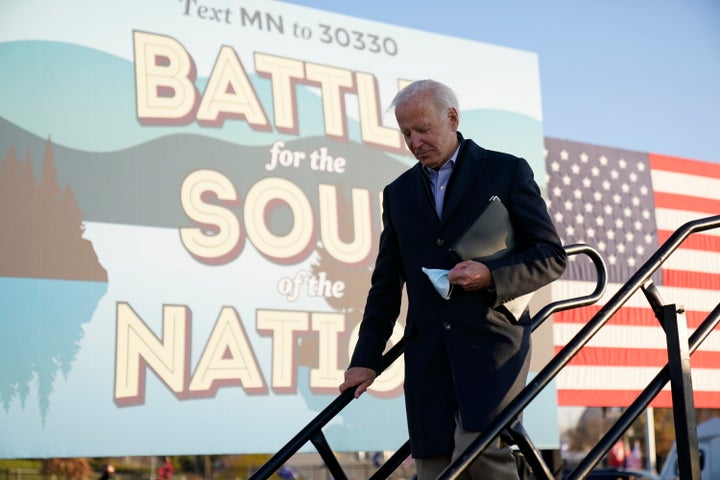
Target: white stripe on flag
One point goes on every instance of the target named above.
(685, 184)
(671, 220)
(627, 378)
(624, 337)
(694, 261)
(691, 298)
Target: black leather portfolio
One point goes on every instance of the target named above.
(489, 236)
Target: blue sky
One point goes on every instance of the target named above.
(640, 75)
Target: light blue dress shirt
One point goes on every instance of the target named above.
(439, 181)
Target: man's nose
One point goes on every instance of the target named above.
(415, 140)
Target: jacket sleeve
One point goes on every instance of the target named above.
(539, 258)
(384, 298)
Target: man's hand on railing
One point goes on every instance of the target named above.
(359, 377)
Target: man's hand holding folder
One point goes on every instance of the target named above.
(488, 237)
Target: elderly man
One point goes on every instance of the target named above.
(466, 354)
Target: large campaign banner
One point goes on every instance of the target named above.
(190, 201)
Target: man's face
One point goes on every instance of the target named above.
(430, 135)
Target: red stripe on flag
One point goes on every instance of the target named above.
(683, 165)
(696, 241)
(622, 398)
(637, 357)
(687, 202)
(627, 316)
(686, 279)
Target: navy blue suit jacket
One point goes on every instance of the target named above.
(467, 354)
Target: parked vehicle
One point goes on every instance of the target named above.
(709, 448)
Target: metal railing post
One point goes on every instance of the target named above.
(686, 438)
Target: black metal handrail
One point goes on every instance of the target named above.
(632, 412)
(688, 466)
(312, 432)
(677, 371)
(577, 302)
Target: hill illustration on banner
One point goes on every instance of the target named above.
(46, 225)
(50, 277)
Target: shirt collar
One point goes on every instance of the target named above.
(447, 165)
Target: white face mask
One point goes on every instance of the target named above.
(439, 279)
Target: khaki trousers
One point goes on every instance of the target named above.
(495, 463)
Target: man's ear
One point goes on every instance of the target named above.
(454, 117)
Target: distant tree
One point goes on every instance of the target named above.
(45, 223)
(665, 427)
(594, 422)
(241, 466)
(587, 431)
(67, 468)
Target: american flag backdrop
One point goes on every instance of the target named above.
(626, 204)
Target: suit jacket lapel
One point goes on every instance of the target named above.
(467, 170)
(423, 199)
